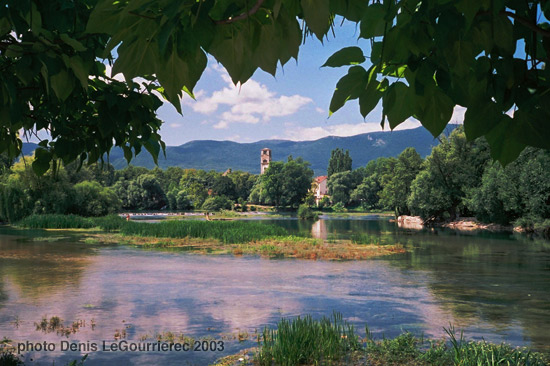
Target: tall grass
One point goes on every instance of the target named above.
(53, 221)
(304, 341)
(229, 232)
(369, 239)
(406, 349)
(473, 353)
(56, 222)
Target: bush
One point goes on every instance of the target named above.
(217, 203)
(339, 207)
(306, 213)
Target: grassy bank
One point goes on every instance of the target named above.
(332, 341)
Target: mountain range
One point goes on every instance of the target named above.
(222, 155)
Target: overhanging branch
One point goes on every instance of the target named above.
(242, 16)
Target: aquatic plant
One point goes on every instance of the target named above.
(232, 232)
(366, 239)
(472, 353)
(56, 222)
(304, 340)
(9, 359)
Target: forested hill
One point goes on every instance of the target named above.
(221, 155)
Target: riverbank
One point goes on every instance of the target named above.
(462, 224)
(304, 341)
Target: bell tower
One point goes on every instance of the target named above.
(265, 159)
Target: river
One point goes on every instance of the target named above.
(494, 286)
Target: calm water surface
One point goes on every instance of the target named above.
(494, 286)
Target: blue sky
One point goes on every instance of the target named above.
(293, 105)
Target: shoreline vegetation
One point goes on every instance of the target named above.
(305, 341)
(212, 237)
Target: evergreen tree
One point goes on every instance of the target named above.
(339, 162)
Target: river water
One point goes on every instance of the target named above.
(492, 286)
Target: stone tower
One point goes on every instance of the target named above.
(265, 159)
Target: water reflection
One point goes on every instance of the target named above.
(37, 268)
(493, 285)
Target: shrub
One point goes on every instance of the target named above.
(305, 212)
(338, 207)
(217, 203)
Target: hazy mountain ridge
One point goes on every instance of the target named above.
(221, 155)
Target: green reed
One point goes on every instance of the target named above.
(406, 349)
(367, 239)
(304, 341)
(53, 221)
(229, 232)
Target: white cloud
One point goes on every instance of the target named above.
(458, 115)
(251, 102)
(222, 125)
(175, 125)
(342, 130)
(320, 110)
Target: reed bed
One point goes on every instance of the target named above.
(53, 221)
(370, 239)
(331, 341)
(228, 232)
(304, 341)
(406, 349)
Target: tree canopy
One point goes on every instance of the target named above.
(425, 58)
(339, 162)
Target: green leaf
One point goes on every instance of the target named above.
(481, 118)
(76, 45)
(345, 56)
(266, 54)
(5, 26)
(504, 34)
(62, 84)
(77, 65)
(177, 73)
(127, 153)
(317, 16)
(505, 147)
(460, 56)
(139, 57)
(42, 159)
(154, 148)
(370, 97)
(533, 125)
(352, 10)
(373, 22)
(350, 86)
(398, 103)
(434, 110)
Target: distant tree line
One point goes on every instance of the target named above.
(458, 179)
(98, 190)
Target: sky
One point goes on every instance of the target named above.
(293, 105)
